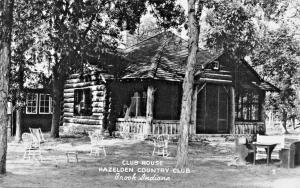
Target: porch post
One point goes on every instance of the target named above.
(263, 109)
(149, 109)
(232, 110)
(192, 129)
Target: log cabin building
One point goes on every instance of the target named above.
(145, 98)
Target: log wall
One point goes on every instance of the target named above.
(79, 124)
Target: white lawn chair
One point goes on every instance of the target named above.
(161, 145)
(96, 144)
(37, 135)
(32, 147)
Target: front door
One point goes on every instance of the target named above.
(212, 110)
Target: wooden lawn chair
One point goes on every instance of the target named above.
(37, 134)
(96, 143)
(72, 153)
(32, 147)
(161, 145)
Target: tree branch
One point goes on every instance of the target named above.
(89, 25)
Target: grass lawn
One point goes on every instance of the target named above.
(208, 167)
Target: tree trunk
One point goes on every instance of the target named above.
(294, 122)
(6, 8)
(57, 89)
(284, 120)
(19, 104)
(18, 137)
(232, 111)
(188, 82)
(192, 130)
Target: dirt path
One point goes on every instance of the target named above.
(208, 167)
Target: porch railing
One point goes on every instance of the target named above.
(131, 127)
(135, 126)
(170, 127)
(249, 127)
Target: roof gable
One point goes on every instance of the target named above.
(162, 56)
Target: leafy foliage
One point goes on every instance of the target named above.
(278, 58)
(231, 28)
(267, 32)
(71, 34)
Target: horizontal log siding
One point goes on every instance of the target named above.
(80, 124)
(80, 85)
(83, 121)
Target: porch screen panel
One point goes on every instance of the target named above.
(167, 101)
(211, 115)
(248, 106)
(255, 107)
(138, 104)
(223, 110)
(201, 110)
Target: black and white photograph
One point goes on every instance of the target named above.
(149, 93)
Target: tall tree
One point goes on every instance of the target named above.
(278, 60)
(22, 40)
(277, 57)
(6, 18)
(194, 13)
(230, 28)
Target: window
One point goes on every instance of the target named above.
(31, 103)
(138, 105)
(247, 106)
(45, 104)
(82, 102)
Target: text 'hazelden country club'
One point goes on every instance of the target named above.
(143, 170)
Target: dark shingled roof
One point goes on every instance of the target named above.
(262, 84)
(163, 57)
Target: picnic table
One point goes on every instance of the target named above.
(286, 144)
(269, 147)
